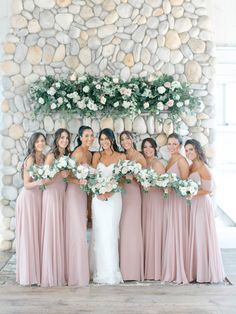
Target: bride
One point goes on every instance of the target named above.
(106, 210)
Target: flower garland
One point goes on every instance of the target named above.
(109, 96)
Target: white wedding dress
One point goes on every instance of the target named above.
(105, 235)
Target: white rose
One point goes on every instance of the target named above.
(86, 89)
(116, 104)
(115, 80)
(145, 105)
(41, 100)
(58, 85)
(160, 105)
(53, 106)
(179, 104)
(161, 89)
(60, 100)
(186, 102)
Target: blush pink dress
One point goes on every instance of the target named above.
(28, 231)
(77, 265)
(205, 262)
(131, 240)
(175, 236)
(52, 242)
(152, 223)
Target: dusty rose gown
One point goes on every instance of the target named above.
(175, 236)
(205, 263)
(28, 231)
(52, 242)
(152, 225)
(77, 265)
(131, 240)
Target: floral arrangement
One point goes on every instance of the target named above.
(84, 173)
(187, 188)
(110, 96)
(40, 172)
(124, 168)
(100, 185)
(147, 178)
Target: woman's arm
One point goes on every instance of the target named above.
(95, 160)
(183, 168)
(205, 174)
(28, 183)
(158, 167)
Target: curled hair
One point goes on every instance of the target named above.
(152, 142)
(31, 148)
(55, 148)
(110, 135)
(80, 134)
(198, 149)
(130, 136)
(176, 136)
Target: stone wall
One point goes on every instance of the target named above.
(113, 37)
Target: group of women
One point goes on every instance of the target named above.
(136, 235)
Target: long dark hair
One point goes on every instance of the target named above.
(152, 142)
(130, 136)
(80, 134)
(55, 148)
(198, 148)
(176, 136)
(31, 148)
(111, 136)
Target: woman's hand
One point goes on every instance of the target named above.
(65, 173)
(83, 182)
(104, 197)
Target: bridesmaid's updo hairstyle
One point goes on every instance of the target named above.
(110, 135)
(55, 148)
(80, 134)
(152, 142)
(130, 136)
(177, 137)
(198, 149)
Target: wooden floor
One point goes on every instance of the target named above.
(143, 298)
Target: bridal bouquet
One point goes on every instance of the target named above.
(64, 163)
(147, 178)
(100, 185)
(166, 181)
(84, 173)
(126, 167)
(187, 188)
(40, 172)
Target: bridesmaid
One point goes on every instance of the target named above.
(176, 219)
(28, 217)
(205, 263)
(152, 216)
(131, 240)
(52, 242)
(77, 265)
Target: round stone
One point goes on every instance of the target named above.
(106, 123)
(154, 3)
(201, 138)
(106, 30)
(183, 25)
(128, 124)
(176, 2)
(139, 34)
(48, 124)
(129, 60)
(108, 50)
(108, 5)
(204, 22)
(85, 56)
(7, 211)
(193, 71)
(161, 139)
(34, 55)
(139, 125)
(34, 26)
(124, 10)
(164, 152)
(8, 143)
(94, 22)
(153, 22)
(63, 3)
(197, 45)
(163, 54)
(168, 127)
(176, 56)
(177, 12)
(86, 12)
(8, 235)
(45, 4)
(5, 106)
(59, 54)
(119, 125)
(150, 125)
(145, 56)
(111, 18)
(64, 20)
(16, 131)
(5, 245)
(172, 40)
(46, 19)
(10, 68)
(9, 193)
(18, 21)
(166, 6)
(94, 43)
(163, 27)
(73, 125)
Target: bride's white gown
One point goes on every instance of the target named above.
(105, 235)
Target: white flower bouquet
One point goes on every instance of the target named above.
(84, 173)
(147, 178)
(40, 172)
(126, 167)
(187, 188)
(64, 163)
(101, 185)
(166, 181)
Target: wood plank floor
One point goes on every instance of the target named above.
(138, 298)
